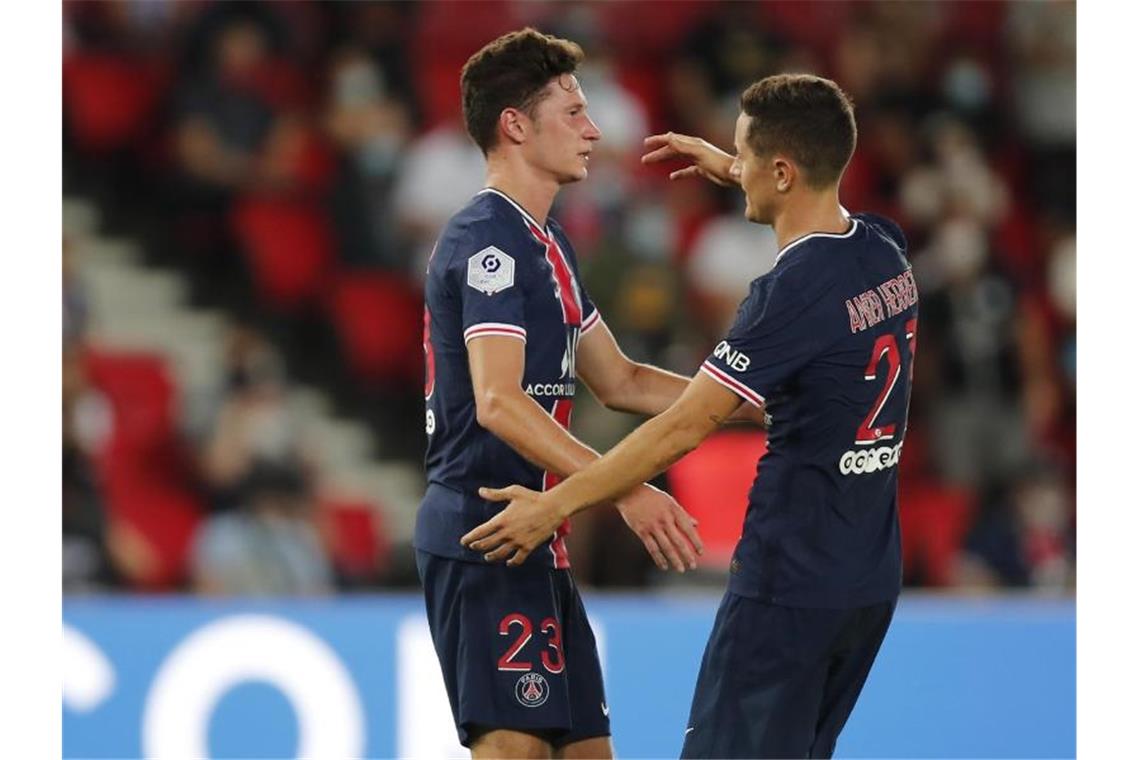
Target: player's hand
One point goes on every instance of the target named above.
(514, 533)
(667, 530)
(706, 159)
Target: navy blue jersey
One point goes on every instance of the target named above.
(825, 340)
(494, 271)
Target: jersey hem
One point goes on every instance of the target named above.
(591, 322)
(494, 328)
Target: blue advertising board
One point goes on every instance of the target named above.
(357, 677)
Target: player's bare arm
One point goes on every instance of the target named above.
(706, 160)
(502, 407)
(531, 516)
(623, 385)
(620, 383)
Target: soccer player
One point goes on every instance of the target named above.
(508, 330)
(825, 341)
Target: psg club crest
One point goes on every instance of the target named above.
(532, 690)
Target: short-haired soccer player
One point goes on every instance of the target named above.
(825, 341)
(508, 330)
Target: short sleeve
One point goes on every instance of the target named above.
(491, 293)
(591, 317)
(777, 331)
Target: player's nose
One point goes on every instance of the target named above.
(592, 132)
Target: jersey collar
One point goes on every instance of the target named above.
(530, 220)
(809, 236)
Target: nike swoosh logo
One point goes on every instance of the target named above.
(605, 709)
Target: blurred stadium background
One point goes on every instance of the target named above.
(250, 193)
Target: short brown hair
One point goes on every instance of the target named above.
(807, 117)
(511, 72)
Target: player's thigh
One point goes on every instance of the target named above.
(501, 665)
(590, 713)
(505, 743)
(761, 683)
(849, 672)
(596, 748)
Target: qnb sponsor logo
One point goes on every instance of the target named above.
(867, 461)
(731, 356)
(551, 389)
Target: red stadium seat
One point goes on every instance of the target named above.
(712, 483)
(141, 394)
(108, 99)
(934, 519)
(355, 538)
(288, 245)
(379, 320)
(144, 471)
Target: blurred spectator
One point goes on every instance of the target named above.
(382, 30)
(968, 325)
(87, 561)
(1044, 90)
(253, 425)
(441, 171)
(1024, 536)
(224, 116)
(728, 254)
(76, 306)
(267, 547)
(370, 127)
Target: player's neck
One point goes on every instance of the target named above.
(525, 187)
(808, 213)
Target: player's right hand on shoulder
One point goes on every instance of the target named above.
(708, 161)
(667, 530)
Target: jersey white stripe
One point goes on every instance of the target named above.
(591, 322)
(493, 328)
(733, 384)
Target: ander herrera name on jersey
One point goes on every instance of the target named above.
(495, 272)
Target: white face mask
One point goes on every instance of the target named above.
(961, 247)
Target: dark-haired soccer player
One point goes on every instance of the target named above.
(508, 330)
(825, 340)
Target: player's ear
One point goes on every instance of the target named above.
(514, 125)
(784, 173)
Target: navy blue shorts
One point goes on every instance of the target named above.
(516, 650)
(781, 681)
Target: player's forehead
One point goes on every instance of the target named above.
(564, 91)
(740, 135)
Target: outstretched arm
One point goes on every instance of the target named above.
(705, 159)
(530, 517)
(624, 385)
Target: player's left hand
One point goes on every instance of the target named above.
(514, 533)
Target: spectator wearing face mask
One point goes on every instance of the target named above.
(269, 546)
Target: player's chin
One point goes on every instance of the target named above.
(754, 216)
(574, 175)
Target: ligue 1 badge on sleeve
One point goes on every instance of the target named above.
(532, 690)
(490, 271)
